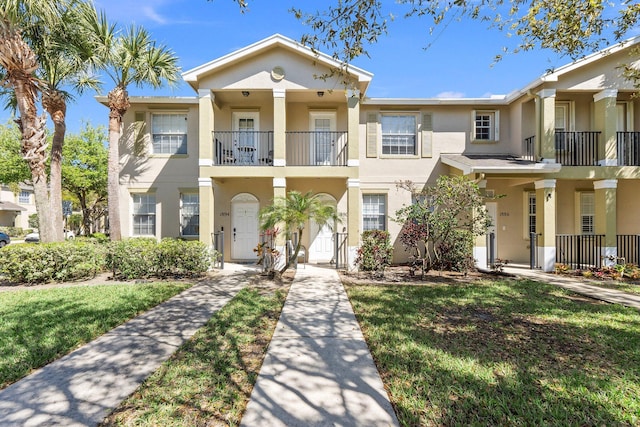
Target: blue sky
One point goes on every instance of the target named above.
(457, 63)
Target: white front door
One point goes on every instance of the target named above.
(492, 210)
(323, 147)
(322, 244)
(244, 236)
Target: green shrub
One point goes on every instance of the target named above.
(49, 262)
(456, 252)
(100, 237)
(14, 232)
(375, 253)
(131, 258)
(181, 258)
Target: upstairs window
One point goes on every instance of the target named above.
(24, 197)
(169, 133)
(398, 134)
(485, 126)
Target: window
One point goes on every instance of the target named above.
(190, 214)
(531, 204)
(398, 134)
(144, 214)
(374, 212)
(486, 126)
(24, 197)
(169, 132)
(587, 212)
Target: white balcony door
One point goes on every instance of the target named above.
(244, 222)
(322, 149)
(321, 249)
(246, 141)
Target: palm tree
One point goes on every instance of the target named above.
(128, 58)
(294, 211)
(19, 63)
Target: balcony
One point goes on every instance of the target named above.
(577, 148)
(628, 146)
(318, 148)
(529, 149)
(243, 148)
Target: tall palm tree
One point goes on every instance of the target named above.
(294, 211)
(128, 58)
(64, 56)
(19, 63)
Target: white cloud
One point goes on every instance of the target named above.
(450, 94)
(154, 16)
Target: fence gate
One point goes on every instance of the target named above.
(217, 239)
(341, 251)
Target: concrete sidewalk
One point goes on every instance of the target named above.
(580, 286)
(81, 388)
(318, 370)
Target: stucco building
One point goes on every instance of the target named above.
(562, 153)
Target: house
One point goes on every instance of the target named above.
(561, 153)
(16, 205)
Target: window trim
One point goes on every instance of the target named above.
(151, 116)
(416, 134)
(526, 213)
(494, 126)
(580, 212)
(21, 201)
(385, 215)
(189, 193)
(133, 214)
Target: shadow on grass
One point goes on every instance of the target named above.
(507, 353)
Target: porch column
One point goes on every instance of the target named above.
(280, 191)
(205, 186)
(606, 121)
(206, 100)
(605, 216)
(354, 204)
(480, 246)
(353, 137)
(546, 124)
(546, 222)
(279, 127)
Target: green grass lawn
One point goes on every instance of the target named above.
(39, 326)
(502, 353)
(208, 381)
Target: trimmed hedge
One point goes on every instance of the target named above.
(84, 258)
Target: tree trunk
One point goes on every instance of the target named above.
(295, 253)
(19, 63)
(118, 106)
(54, 104)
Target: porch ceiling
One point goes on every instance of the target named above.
(497, 164)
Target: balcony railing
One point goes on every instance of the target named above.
(243, 148)
(317, 148)
(628, 144)
(529, 149)
(577, 148)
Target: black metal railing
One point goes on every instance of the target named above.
(628, 247)
(341, 250)
(577, 148)
(529, 149)
(579, 251)
(316, 148)
(243, 148)
(217, 240)
(628, 145)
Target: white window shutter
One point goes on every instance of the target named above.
(496, 132)
(372, 135)
(427, 135)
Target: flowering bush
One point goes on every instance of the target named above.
(375, 253)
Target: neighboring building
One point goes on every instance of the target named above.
(562, 153)
(15, 208)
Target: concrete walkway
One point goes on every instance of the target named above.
(580, 286)
(81, 388)
(318, 370)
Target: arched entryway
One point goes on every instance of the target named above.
(244, 226)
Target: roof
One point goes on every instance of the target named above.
(191, 76)
(9, 206)
(496, 164)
